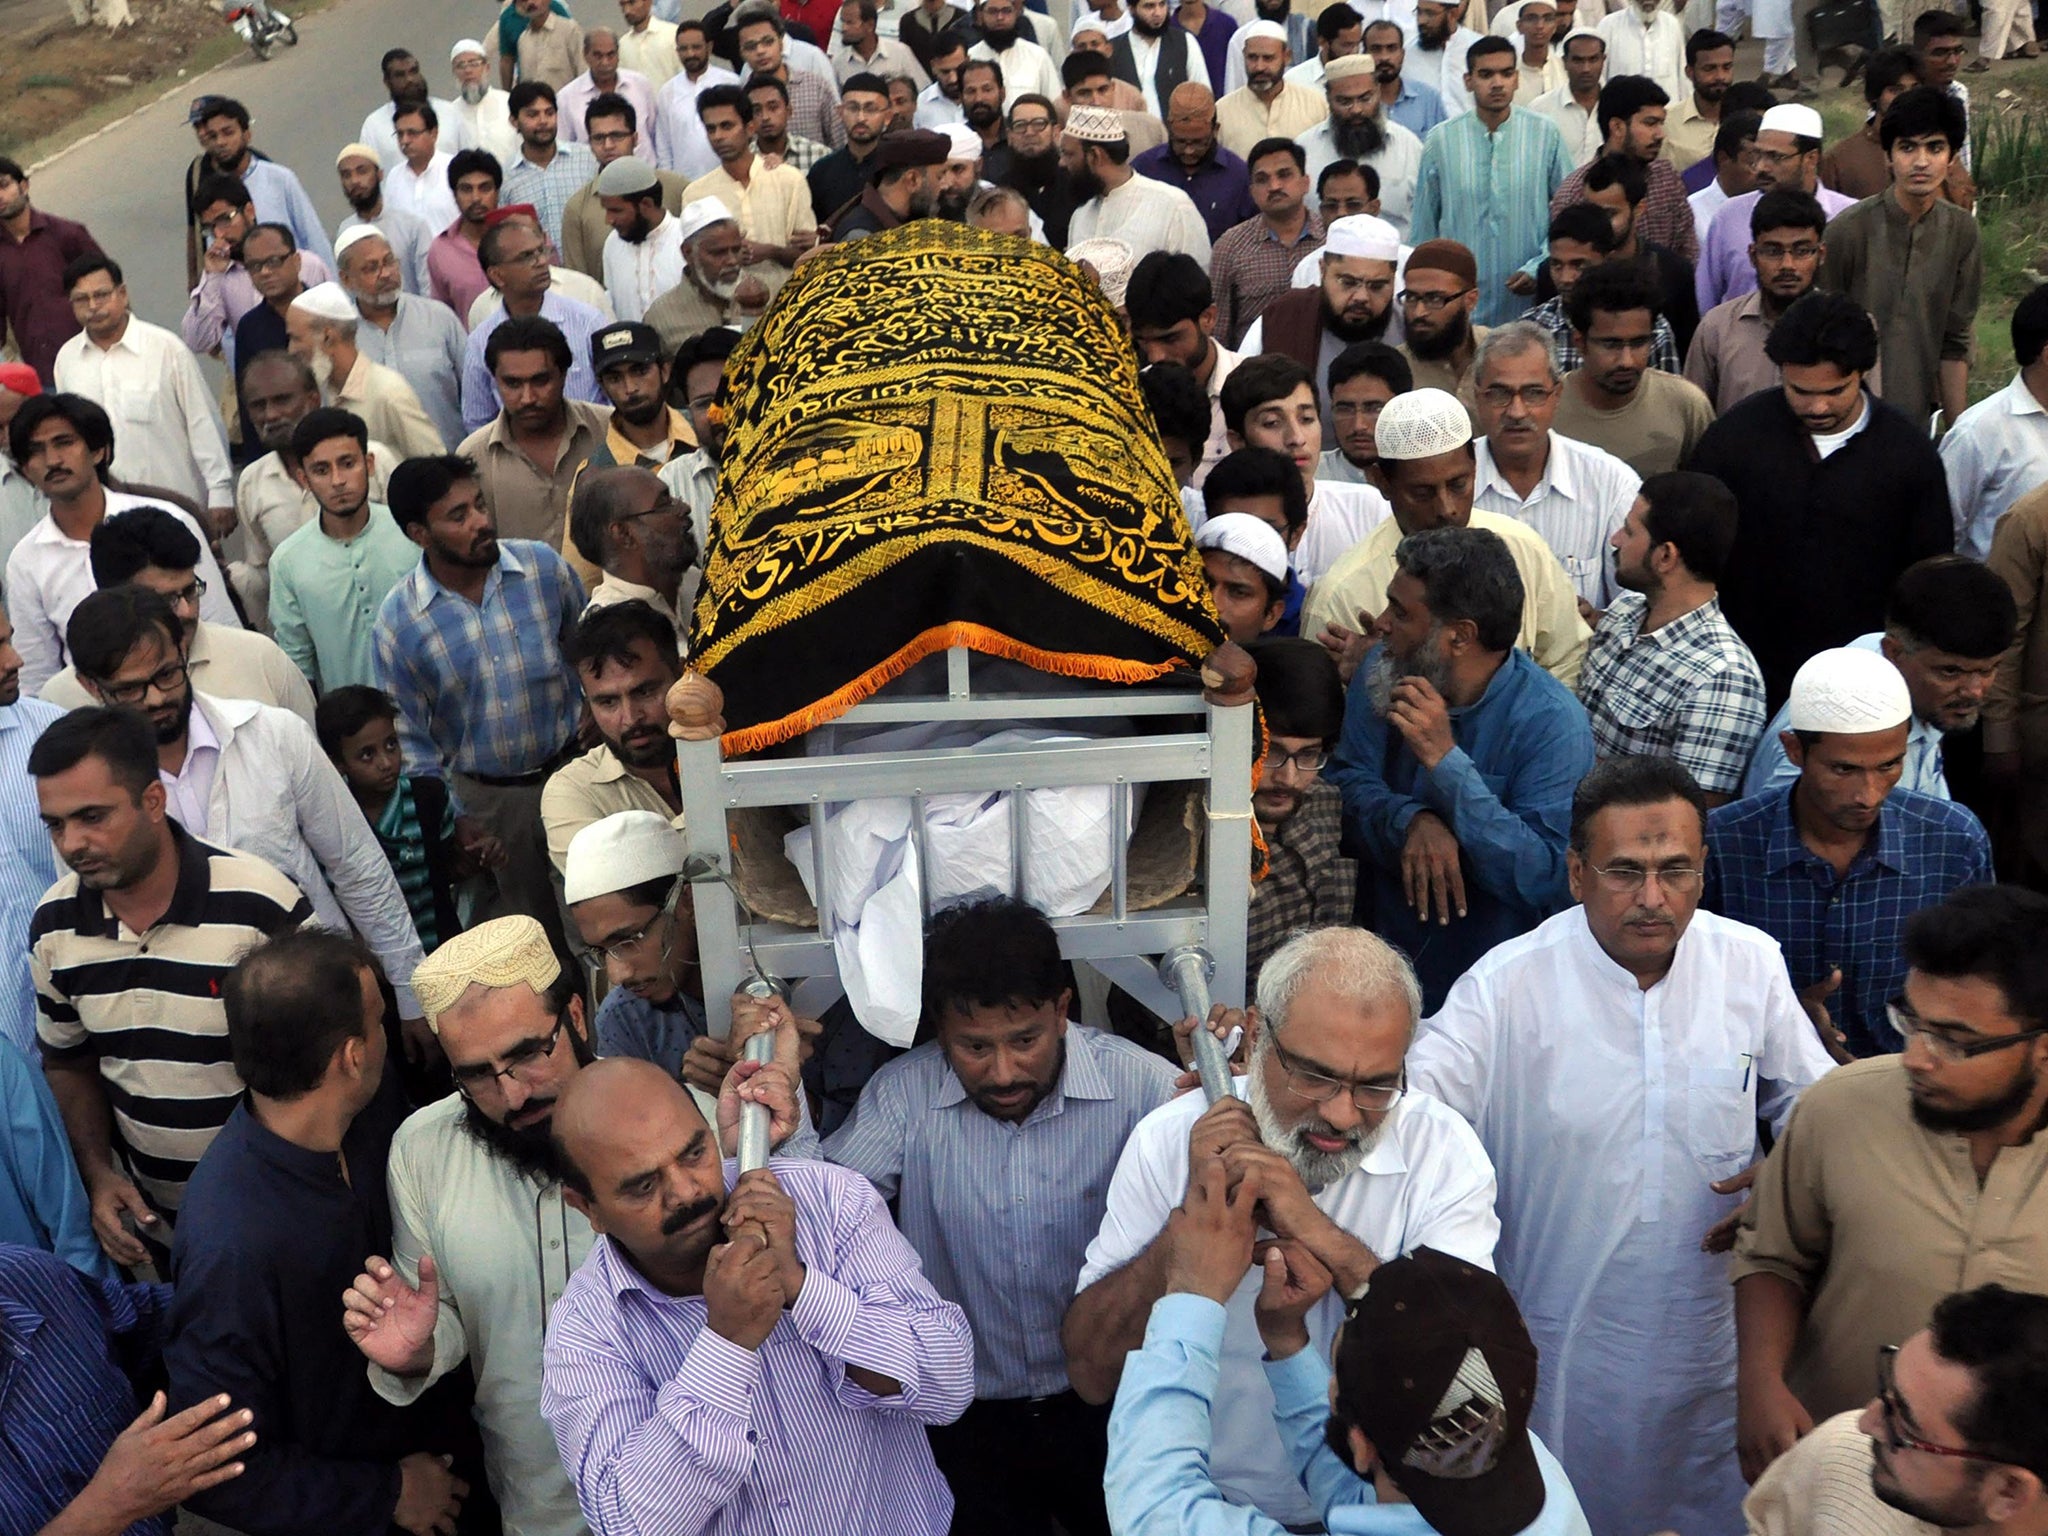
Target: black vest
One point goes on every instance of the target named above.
(1174, 43)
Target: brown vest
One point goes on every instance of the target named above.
(1293, 324)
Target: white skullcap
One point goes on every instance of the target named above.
(1362, 235)
(354, 236)
(1848, 692)
(467, 45)
(1248, 538)
(329, 301)
(1089, 23)
(967, 143)
(504, 952)
(1421, 424)
(700, 214)
(1790, 117)
(625, 849)
(1271, 29)
(1349, 66)
(358, 152)
(1112, 261)
(1096, 125)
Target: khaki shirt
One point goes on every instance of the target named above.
(772, 208)
(552, 51)
(1655, 432)
(1875, 1220)
(1688, 137)
(390, 409)
(590, 788)
(1242, 119)
(652, 51)
(687, 310)
(2016, 707)
(528, 503)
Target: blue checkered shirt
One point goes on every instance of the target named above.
(549, 187)
(483, 688)
(1760, 873)
(1551, 316)
(1688, 690)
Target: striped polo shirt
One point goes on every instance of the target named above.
(148, 1006)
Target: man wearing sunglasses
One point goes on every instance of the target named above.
(1900, 1176)
(1955, 1439)
(1620, 1137)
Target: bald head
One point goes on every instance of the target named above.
(608, 1109)
(1190, 101)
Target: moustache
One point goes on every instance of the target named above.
(696, 1210)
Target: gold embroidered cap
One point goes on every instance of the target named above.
(504, 952)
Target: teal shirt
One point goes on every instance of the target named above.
(1490, 192)
(324, 597)
(405, 847)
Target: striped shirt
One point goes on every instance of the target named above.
(1760, 873)
(30, 865)
(1581, 497)
(1490, 191)
(667, 1427)
(482, 688)
(66, 1345)
(146, 1007)
(1002, 1212)
(1688, 690)
(405, 845)
(549, 187)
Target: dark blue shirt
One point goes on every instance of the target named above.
(1505, 791)
(1221, 185)
(68, 1347)
(260, 330)
(1760, 873)
(269, 1237)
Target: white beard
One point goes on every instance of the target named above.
(323, 373)
(1318, 1170)
(472, 94)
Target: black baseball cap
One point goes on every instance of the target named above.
(629, 342)
(1437, 1369)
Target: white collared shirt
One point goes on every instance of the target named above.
(191, 787)
(426, 194)
(680, 143)
(1426, 1181)
(167, 429)
(1996, 452)
(1147, 216)
(638, 273)
(1583, 495)
(1341, 514)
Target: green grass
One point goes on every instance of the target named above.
(47, 82)
(2009, 148)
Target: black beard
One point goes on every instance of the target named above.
(1358, 141)
(1000, 41)
(953, 205)
(1087, 185)
(1154, 33)
(1453, 336)
(363, 202)
(1980, 1117)
(531, 1151)
(1350, 332)
(983, 114)
(1276, 11)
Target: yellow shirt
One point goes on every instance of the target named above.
(590, 788)
(1688, 137)
(772, 208)
(1242, 119)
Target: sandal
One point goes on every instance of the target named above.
(1977, 67)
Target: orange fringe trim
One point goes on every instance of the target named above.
(975, 637)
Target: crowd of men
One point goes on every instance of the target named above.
(1636, 1126)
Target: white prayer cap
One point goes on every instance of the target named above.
(1089, 23)
(1271, 29)
(354, 236)
(358, 152)
(1847, 692)
(1421, 424)
(1248, 538)
(503, 952)
(625, 849)
(967, 143)
(700, 214)
(1349, 66)
(1112, 261)
(1361, 234)
(328, 301)
(1096, 125)
(467, 45)
(1801, 122)
(1597, 37)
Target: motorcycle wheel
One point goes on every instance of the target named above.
(259, 45)
(290, 35)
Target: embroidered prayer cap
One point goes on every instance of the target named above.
(354, 236)
(1348, 67)
(1802, 122)
(699, 214)
(358, 152)
(1113, 263)
(467, 45)
(504, 952)
(1363, 235)
(1848, 692)
(328, 301)
(504, 211)
(1248, 538)
(1445, 256)
(625, 849)
(964, 142)
(1421, 424)
(1096, 125)
(1436, 1368)
(627, 176)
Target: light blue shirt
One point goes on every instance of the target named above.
(325, 596)
(30, 867)
(281, 199)
(1490, 192)
(427, 344)
(1925, 772)
(577, 323)
(1157, 1482)
(42, 1202)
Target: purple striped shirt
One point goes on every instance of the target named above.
(668, 1429)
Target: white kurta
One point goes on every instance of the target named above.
(1657, 50)
(1608, 1111)
(1397, 162)
(1339, 516)
(167, 430)
(636, 274)
(426, 194)
(1147, 216)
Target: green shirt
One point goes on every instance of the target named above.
(405, 846)
(324, 597)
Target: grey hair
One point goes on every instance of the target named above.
(996, 197)
(1513, 340)
(1358, 965)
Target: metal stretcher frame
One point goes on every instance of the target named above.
(1198, 741)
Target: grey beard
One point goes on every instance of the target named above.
(472, 94)
(723, 291)
(1318, 1170)
(1357, 141)
(1383, 671)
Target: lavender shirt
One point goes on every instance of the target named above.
(1724, 271)
(668, 1429)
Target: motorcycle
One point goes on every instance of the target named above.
(261, 27)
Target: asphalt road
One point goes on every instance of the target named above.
(127, 183)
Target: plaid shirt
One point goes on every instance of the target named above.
(482, 688)
(813, 109)
(550, 187)
(1760, 873)
(1308, 883)
(1688, 690)
(1551, 316)
(1664, 217)
(1249, 268)
(802, 153)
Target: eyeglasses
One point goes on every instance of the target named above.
(1945, 1047)
(1318, 1088)
(164, 680)
(1411, 299)
(1893, 1410)
(1030, 124)
(187, 596)
(264, 266)
(626, 946)
(534, 256)
(522, 1059)
(1499, 397)
(1307, 760)
(613, 136)
(667, 504)
(1628, 879)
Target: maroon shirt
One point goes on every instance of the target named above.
(32, 288)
